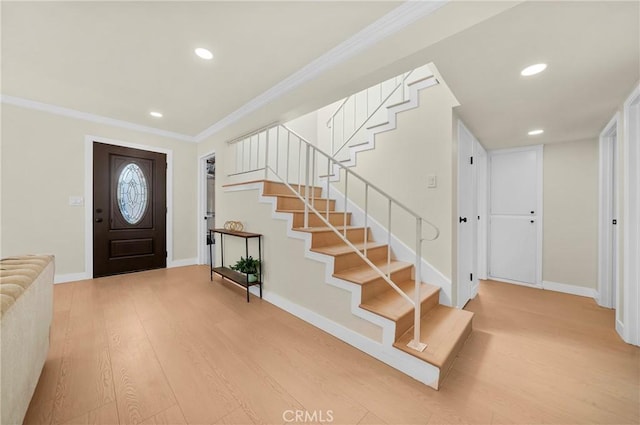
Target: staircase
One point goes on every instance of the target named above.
(385, 275)
(443, 329)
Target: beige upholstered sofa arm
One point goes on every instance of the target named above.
(26, 311)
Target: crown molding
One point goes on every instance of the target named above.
(99, 119)
(389, 24)
(399, 18)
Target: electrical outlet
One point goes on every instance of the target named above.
(432, 181)
(76, 201)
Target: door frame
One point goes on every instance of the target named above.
(631, 214)
(466, 191)
(539, 149)
(481, 157)
(88, 196)
(203, 254)
(605, 230)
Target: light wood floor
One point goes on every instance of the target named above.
(169, 347)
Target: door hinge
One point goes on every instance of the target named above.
(471, 160)
(614, 221)
(471, 277)
(166, 254)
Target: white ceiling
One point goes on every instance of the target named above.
(593, 54)
(121, 60)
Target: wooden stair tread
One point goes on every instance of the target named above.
(365, 274)
(282, 184)
(393, 306)
(310, 212)
(444, 330)
(315, 198)
(324, 229)
(341, 249)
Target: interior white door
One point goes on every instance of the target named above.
(466, 218)
(515, 215)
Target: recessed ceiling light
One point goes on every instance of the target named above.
(533, 69)
(535, 132)
(204, 53)
(155, 114)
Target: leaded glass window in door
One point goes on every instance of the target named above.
(132, 193)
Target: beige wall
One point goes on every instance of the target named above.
(287, 272)
(43, 164)
(570, 235)
(306, 126)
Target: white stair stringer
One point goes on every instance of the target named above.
(372, 129)
(383, 351)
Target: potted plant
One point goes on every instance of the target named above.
(249, 266)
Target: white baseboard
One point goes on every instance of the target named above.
(620, 329)
(569, 289)
(515, 282)
(181, 263)
(70, 277)
(417, 369)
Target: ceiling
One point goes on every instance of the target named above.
(124, 59)
(593, 54)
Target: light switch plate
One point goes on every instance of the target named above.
(76, 201)
(432, 181)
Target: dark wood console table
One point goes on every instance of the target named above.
(241, 279)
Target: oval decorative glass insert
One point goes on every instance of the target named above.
(133, 193)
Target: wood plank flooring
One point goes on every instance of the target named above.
(170, 347)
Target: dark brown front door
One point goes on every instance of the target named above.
(129, 210)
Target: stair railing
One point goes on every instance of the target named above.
(277, 151)
(362, 114)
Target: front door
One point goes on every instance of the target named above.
(129, 210)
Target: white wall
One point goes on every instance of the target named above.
(306, 126)
(43, 164)
(421, 145)
(570, 235)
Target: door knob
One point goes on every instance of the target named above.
(533, 221)
(463, 219)
(98, 220)
(533, 212)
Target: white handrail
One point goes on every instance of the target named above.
(371, 185)
(307, 179)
